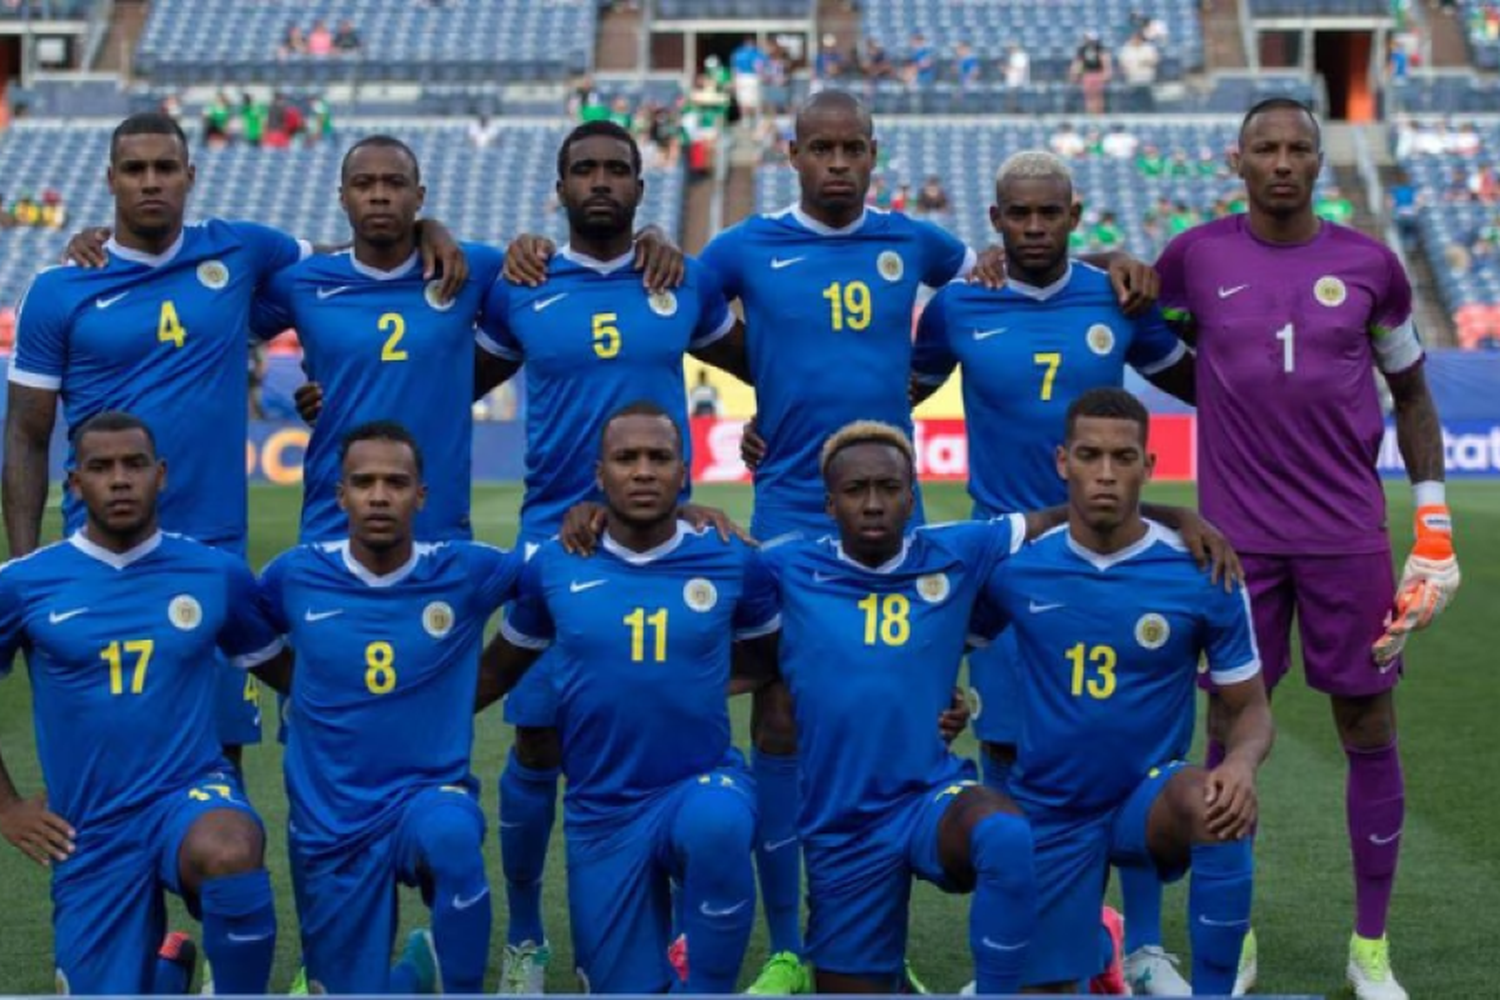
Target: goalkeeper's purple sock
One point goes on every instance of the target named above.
(1375, 802)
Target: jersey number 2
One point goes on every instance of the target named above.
(394, 325)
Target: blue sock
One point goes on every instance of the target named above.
(1219, 912)
(239, 931)
(711, 835)
(778, 853)
(404, 980)
(528, 809)
(995, 774)
(450, 840)
(1003, 910)
(1140, 891)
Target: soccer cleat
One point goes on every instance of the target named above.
(677, 957)
(1151, 971)
(523, 972)
(1244, 979)
(914, 985)
(1111, 982)
(970, 989)
(179, 951)
(783, 975)
(299, 984)
(1370, 970)
(207, 989)
(420, 954)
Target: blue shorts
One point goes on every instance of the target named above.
(995, 690)
(236, 705)
(620, 887)
(859, 890)
(346, 898)
(1073, 856)
(108, 911)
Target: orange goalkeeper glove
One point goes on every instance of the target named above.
(1428, 582)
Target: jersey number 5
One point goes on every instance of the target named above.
(606, 335)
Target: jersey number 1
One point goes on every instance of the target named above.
(1287, 335)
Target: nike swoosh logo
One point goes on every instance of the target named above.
(106, 303)
(249, 938)
(775, 845)
(777, 263)
(577, 588)
(997, 946)
(541, 304)
(317, 616)
(510, 826)
(821, 577)
(728, 911)
(987, 334)
(58, 617)
(1224, 293)
(459, 903)
(328, 293)
(1210, 922)
(1037, 609)
(1380, 841)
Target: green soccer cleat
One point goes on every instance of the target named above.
(523, 973)
(1370, 972)
(299, 984)
(783, 975)
(915, 986)
(1244, 979)
(421, 955)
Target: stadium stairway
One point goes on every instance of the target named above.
(127, 20)
(618, 49)
(1224, 43)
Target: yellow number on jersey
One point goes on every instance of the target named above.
(639, 621)
(380, 667)
(252, 690)
(889, 620)
(1102, 659)
(1051, 360)
(606, 335)
(169, 329)
(114, 654)
(200, 794)
(395, 325)
(848, 305)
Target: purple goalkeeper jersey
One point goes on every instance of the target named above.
(1289, 421)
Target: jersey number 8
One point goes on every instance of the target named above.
(380, 667)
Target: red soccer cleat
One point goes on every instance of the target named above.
(1111, 982)
(677, 956)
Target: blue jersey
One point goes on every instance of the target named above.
(1027, 353)
(385, 347)
(163, 337)
(593, 341)
(642, 661)
(1109, 654)
(871, 657)
(120, 650)
(382, 704)
(828, 323)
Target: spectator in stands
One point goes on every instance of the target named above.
(774, 94)
(1210, 165)
(319, 39)
(1139, 60)
(216, 121)
(1179, 165)
(1397, 60)
(665, 137)
(829, 64)
(252, 117)
(1484, 185)
(293, 41)
(1182, 218)
(26, 211)
(703, 398)
(1330, 204)
(1016, 67)
(879, 194)
(920, 68)
(1465, 140)
(1150, 162)
(346, 40)
(1093, 142)
(967, 65)
(1091, 70)
(1106, 233)
(1120, 143)
(321, 112)
(748, 61)
(875, 62)
(621, 113)
(171, 106)
(1156, 218)
(482, 132)
(932, 199)
(582, 94)
(901, 200)
(1066, 142)
(54, 213)
(1458, 186)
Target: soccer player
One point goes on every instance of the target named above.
(592, 339)
(386, 632)
(1289, 314)
(1028, 350)
(641, 635)
(1111, 617)
(119, 623)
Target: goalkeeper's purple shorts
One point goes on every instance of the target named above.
(1340, 603)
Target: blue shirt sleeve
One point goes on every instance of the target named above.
(12, 618)
(528, 623)
(485, 264)
(268, 593)
(271, 310)
(41, 355)
(944, 256)
(932, 358)
(1229, 642)
(272, 250)
(722, 257)
(1154, 347)
(494, 335)
(714, 318)
(248, 637)
(496, 573)
(759, 610)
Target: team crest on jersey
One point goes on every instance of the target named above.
(433, 296)
(890, 265)
(213, 274)
(1152, 631)
(185, 612)
(663, 303)
(933, 588)
(700, 594)
(1330, 291)
(1101, 339)
(437, 619)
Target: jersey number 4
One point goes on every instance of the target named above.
(169, 329)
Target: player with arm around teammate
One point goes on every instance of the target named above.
(119, 623)
(642, 635)
(1111, 617)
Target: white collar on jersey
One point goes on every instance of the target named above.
(1041, 294)
(369, 579)
(401, 270)
(142, 257)
(593, 263)
(119, 560)
(821, 228)
(634, 558)
(889, 566)
(1104, 561)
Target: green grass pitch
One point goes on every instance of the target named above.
(1450, 870)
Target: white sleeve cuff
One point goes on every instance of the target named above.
(717, 335)
(34, 380)
(489, 345)
(1237, 675)
(967, 267)
(304, 249)
(1017, 530)
(1177, 353)
(773, 624)
(249, 661)
(518, 638)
